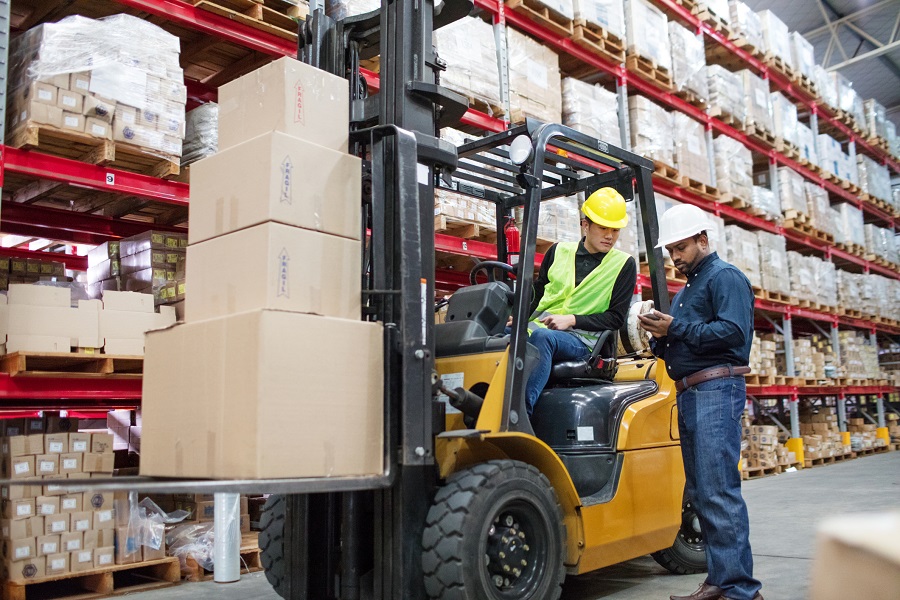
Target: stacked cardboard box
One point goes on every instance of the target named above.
(764, 354)
(763, 450)
(806, 144)
(812, 279)
(559, 220)
(776, 38)
(881, 242)
(821, 435)
(281, 189)
(591, 109)
(792, 194)
(607, 14)
(691, 151)
(534, 79)
(149, 263)
(117, 78)
(652, 135)
(757, 101)
(746, 24)
(849, 101)
(470, 51)
(464, 208)
(863, 434)
(826, 86)
(821, 216)
(47, 529)
(809, 360)
(851, 229)
(874, 179)
(29, 270)
(644, 27)
(766, 203)
(726, 93)
(688, 61)
(859, 357)
(734, 168)
(876, 118)
(893, 422)
(743, 252)
(784, 118)
(803, 55)
(773, 263)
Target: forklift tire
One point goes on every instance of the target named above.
(271, 542)
(495, 532)
(688, 554)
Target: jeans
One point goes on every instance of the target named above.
(553, 346)
(709, 423)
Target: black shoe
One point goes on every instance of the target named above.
(704, 592)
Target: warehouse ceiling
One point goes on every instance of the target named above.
(860, 39)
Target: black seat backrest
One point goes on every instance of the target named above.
(475, 321)
(600, 365)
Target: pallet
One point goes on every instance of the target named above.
(98, 583)
(778, 297)
(760, 134)
(806, 84)
(255, 14)
(93, 150)
(796, 216)
(807, 230)
(54, 364)
(250, 560)
(649, 71)
(754, 379)
(673, 275)
(664, 171)
(777, 63)
(818, 462)
(757, 472)
(787, 148)
(721, 114)
(712, 19)
(599, 41)
(849, 312)
(746, 206)
(691, 98)
(699, 188)
(544, 15)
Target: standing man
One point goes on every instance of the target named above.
(583, 288)
(705, 343)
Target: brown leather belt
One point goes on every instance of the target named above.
(708, 375)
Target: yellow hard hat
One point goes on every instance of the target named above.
(606, 208)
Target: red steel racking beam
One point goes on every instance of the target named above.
(72, 262)
(68, 393)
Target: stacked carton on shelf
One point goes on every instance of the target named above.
(281, 189)
(773, 263)
(726, 93)
(743, 252)
(652, 135)
(821, 435)
(784, 120)
(691, 152)
(734, 168)
(746, 25)
(876, 118)
(757, 101)
(470, 51)
(534, 80)
(776, 38)
(825, 85)
(851, 230)
(591, 109)
(792, 194)
(688, 62)
(609, 15)
(644, 27)
(863, 434)
(764, 354)
(874, 179)
(806, 144)
(881, 243)
(803, 55)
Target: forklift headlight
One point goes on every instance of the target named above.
(520, 150)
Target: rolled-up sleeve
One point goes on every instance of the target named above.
(733, 309)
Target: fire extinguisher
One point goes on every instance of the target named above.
(512, 241)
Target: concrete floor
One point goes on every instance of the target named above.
(784, 512)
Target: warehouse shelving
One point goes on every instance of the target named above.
(83, 228)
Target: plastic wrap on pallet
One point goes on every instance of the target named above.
(803, 55)
(534, 79)
(803, 283)
(881, 242)
(825, 85)
(559, 220)
(848, 100)
(792, 192)
(607, 14)
(651, 130)
(339, 9)
(848, 293)
(824, 273)
(765, 201)
(818, 207)
(851, 224)
(784, 118)
(644, 24)
(743, 252)
(746, 24)
(874, 179)
(688, 61)
(848, 169)
(591, 109)
(691, 152)
(890, 133)
(876, 118)
(469, 49)
(563, 8)
(201, 133)
(773, 263)
(776, 37)
(756, 100)
(116, 78)
(829, 150)
(719, 8)
(464, 208)
(734, 168)
(806, 143)
(726, 92)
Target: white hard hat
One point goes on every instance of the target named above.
(680, 223)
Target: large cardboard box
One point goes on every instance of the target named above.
(27, 570)
(269, 266)
(272, 380)
(286, 96)
(282, 179)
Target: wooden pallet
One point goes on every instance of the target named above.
(699, 188)
(544, 15)
(98, 583)
(805, 83)
(757, 472)
(849, 312)
(664, 171)
(462, 228)
(721, 114)
(777, 63)
(53, 364)
(257, 15)
(787, 148)
(818, 462)
(250, 560)
(754, 379)
(649, 71)
(760, 134)
(93, 150)
(599, 41)
(807, 230)
(673, 275)
(796, 216)
(488, 108)
(776, 297)
(712, 19)
(691, 98)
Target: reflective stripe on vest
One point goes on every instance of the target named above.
(591, 296)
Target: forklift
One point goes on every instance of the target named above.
(479, 499)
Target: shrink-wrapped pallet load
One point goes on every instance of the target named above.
(645, 27)
(784, 119)
(825, 84)
(766, 203)
(874, 179)
(743, 252)
(849, 100)
(534, 80)
(734, 168)
(726, 93)
(803, 55)
(652, 135)
(806, 144)
(688, 62)
(851, 224)
(607, 14)
(881, 243)
(876, 118)
(776, 38)
(746, 25)
(201, 137)
(757, 101)
(591, 109)
(469, 49)
(792, 193)
(691, 152)
(773, 264)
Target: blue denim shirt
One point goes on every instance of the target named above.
(713, 320)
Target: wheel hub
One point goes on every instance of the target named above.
(507, 551)
(690, 530)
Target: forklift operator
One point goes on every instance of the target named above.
(583, 288)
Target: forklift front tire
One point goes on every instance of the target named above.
(495, 532)
(688, 554)
(271, 542)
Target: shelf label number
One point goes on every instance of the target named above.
(110, 179)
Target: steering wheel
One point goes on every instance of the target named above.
(488, 266)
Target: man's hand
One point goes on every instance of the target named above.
(655, 323)
(509, 321)
(559, 322)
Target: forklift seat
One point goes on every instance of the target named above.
(599, 365)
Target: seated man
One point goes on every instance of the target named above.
(583, 288)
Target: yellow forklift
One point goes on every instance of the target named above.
(479, 500)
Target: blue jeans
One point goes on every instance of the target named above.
(553, 346)
(709, 423)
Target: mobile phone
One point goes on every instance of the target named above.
(651, 316)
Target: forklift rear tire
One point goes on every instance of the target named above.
(688, 554)
(495, 532)
(271, 542)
